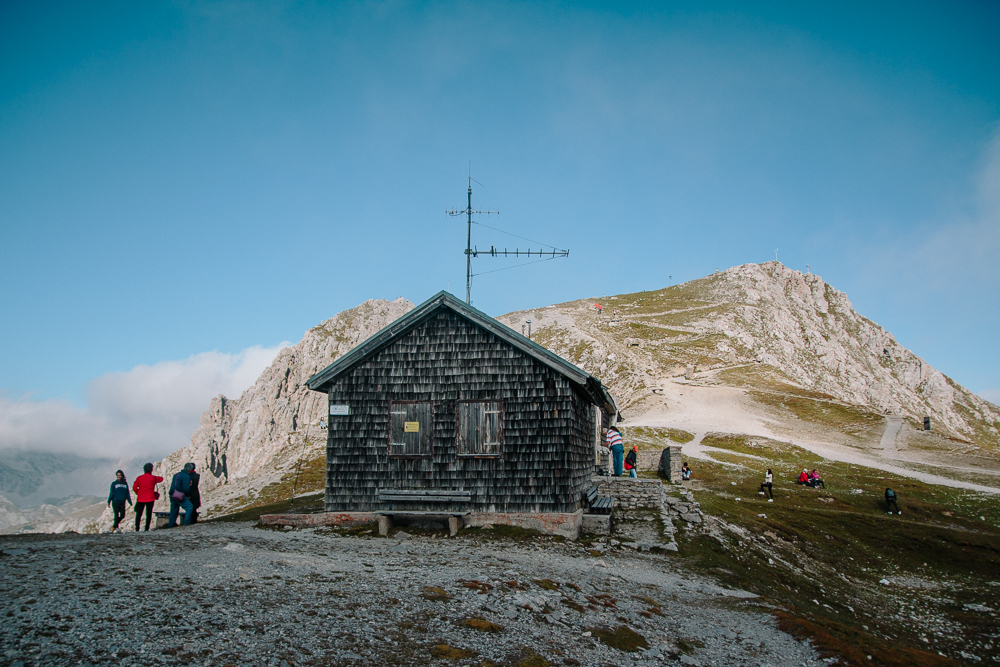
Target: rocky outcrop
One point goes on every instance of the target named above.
(766, 322)
(248, 441)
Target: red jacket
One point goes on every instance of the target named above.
(144, 485)
(804, 477)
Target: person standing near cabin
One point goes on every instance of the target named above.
(180, 488)
(631, 461)
(117, 497)
(617, 447)
(145, 494)
(195, 494)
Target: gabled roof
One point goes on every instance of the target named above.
(590, 385)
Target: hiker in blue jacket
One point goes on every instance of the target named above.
(180, 492)
(117, 498)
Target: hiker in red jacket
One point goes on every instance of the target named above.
(145, 494)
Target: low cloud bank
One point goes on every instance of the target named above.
(148, 411)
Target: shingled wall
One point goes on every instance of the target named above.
(547, 453)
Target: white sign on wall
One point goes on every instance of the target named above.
(340, 410)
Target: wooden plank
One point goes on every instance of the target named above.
(426, 499)
(430, 513)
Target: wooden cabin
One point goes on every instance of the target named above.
(448, 410)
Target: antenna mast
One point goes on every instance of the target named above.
(471, 252)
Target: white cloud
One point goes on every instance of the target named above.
(991, 395)
(959, 252)
(148, 411)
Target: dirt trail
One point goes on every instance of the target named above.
(888, 442)
(701, 409)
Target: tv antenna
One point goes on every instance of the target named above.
(472, 251)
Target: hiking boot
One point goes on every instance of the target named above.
(770, 500)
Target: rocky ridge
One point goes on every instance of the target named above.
(761, 325)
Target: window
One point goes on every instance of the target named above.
(410, 429)
(479, 428)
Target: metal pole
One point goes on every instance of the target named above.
(468, 250)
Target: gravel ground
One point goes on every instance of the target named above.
(234, 594)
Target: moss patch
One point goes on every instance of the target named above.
(525, 657)
(688, 645)
(443, 651)
(435, 594)
(481, 624)
(622, 638)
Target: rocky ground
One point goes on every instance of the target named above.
(235, 594)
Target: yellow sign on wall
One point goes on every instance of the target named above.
(411, 427)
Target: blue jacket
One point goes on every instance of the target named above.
(119, 492)
(181, 482)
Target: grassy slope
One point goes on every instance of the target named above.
(277, 496)
(819, 555)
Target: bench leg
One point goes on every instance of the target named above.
(384, 524)
(454, 523)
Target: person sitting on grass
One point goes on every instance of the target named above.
(804, 477)
(685, 472)
(890, 501)
(815, 480)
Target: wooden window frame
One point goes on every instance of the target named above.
(430, 453)
(458, 429)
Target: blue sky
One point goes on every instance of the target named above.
(189, 182)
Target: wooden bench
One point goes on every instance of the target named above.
(163, 517)
(599, 504)
(424, 495)
(454, 519)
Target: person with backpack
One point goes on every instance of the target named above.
(768, 485)
(117, 497)
(145, 494)
(180, 489)
(631, 462)
(195, 494)
(890, 501)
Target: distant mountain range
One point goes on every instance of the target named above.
(31, 478)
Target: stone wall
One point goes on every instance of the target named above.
(649, 459)
(631, 493)
(670, 463)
